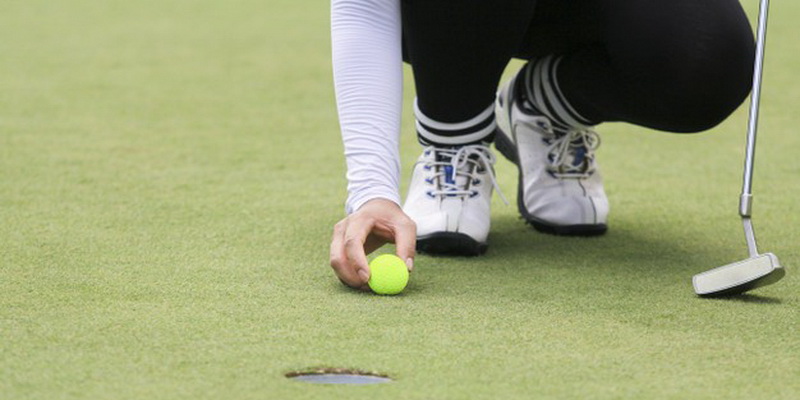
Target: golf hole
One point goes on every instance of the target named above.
(338, 376)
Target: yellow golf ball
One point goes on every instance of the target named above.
(388, 274)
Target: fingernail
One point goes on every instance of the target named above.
(363, 274)
(410, 264)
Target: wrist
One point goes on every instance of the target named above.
(378, 202)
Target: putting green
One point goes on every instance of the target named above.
(170, 172)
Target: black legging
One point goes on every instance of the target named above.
(673, 65)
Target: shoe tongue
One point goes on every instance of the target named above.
(443, 157)
(578, 156)
(448, 174)
(460, 182)
(576, 153)
(447, 169)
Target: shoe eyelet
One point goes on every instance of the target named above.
(430, 194)
(474, 194)
(476, 181)
(429, 181)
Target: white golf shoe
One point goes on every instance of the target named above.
(449, 199)
(560, 187)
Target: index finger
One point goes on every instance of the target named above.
(339, 260)
(354, 239)
(405, 240)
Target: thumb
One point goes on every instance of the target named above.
(405, 239)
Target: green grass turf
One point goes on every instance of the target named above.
(169, 174)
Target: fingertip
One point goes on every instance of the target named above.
(406, 243)
(405, 248)
(364, 274)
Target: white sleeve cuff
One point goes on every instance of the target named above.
(354, 204)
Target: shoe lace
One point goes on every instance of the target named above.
(465, 161)
(570, 151)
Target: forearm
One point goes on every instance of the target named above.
(368, 77)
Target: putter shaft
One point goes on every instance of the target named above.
(745, 204)
(746, 198)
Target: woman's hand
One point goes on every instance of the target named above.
(377, 222)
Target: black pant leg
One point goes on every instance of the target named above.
(677, 65)
(458, 50)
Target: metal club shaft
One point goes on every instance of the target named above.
(746, 199)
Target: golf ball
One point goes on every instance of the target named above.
(388, 274)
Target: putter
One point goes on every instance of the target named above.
(760, 269)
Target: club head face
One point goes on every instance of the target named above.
(739, 277)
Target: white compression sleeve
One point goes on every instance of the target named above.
(368, 78)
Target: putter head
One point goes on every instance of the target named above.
(739, 277)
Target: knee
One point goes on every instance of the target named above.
(709, 88)
(699, 71)
(715, 77)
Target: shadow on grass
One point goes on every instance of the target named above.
(633, 259)
(413, 287)
(626, 246)
(748, 298)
